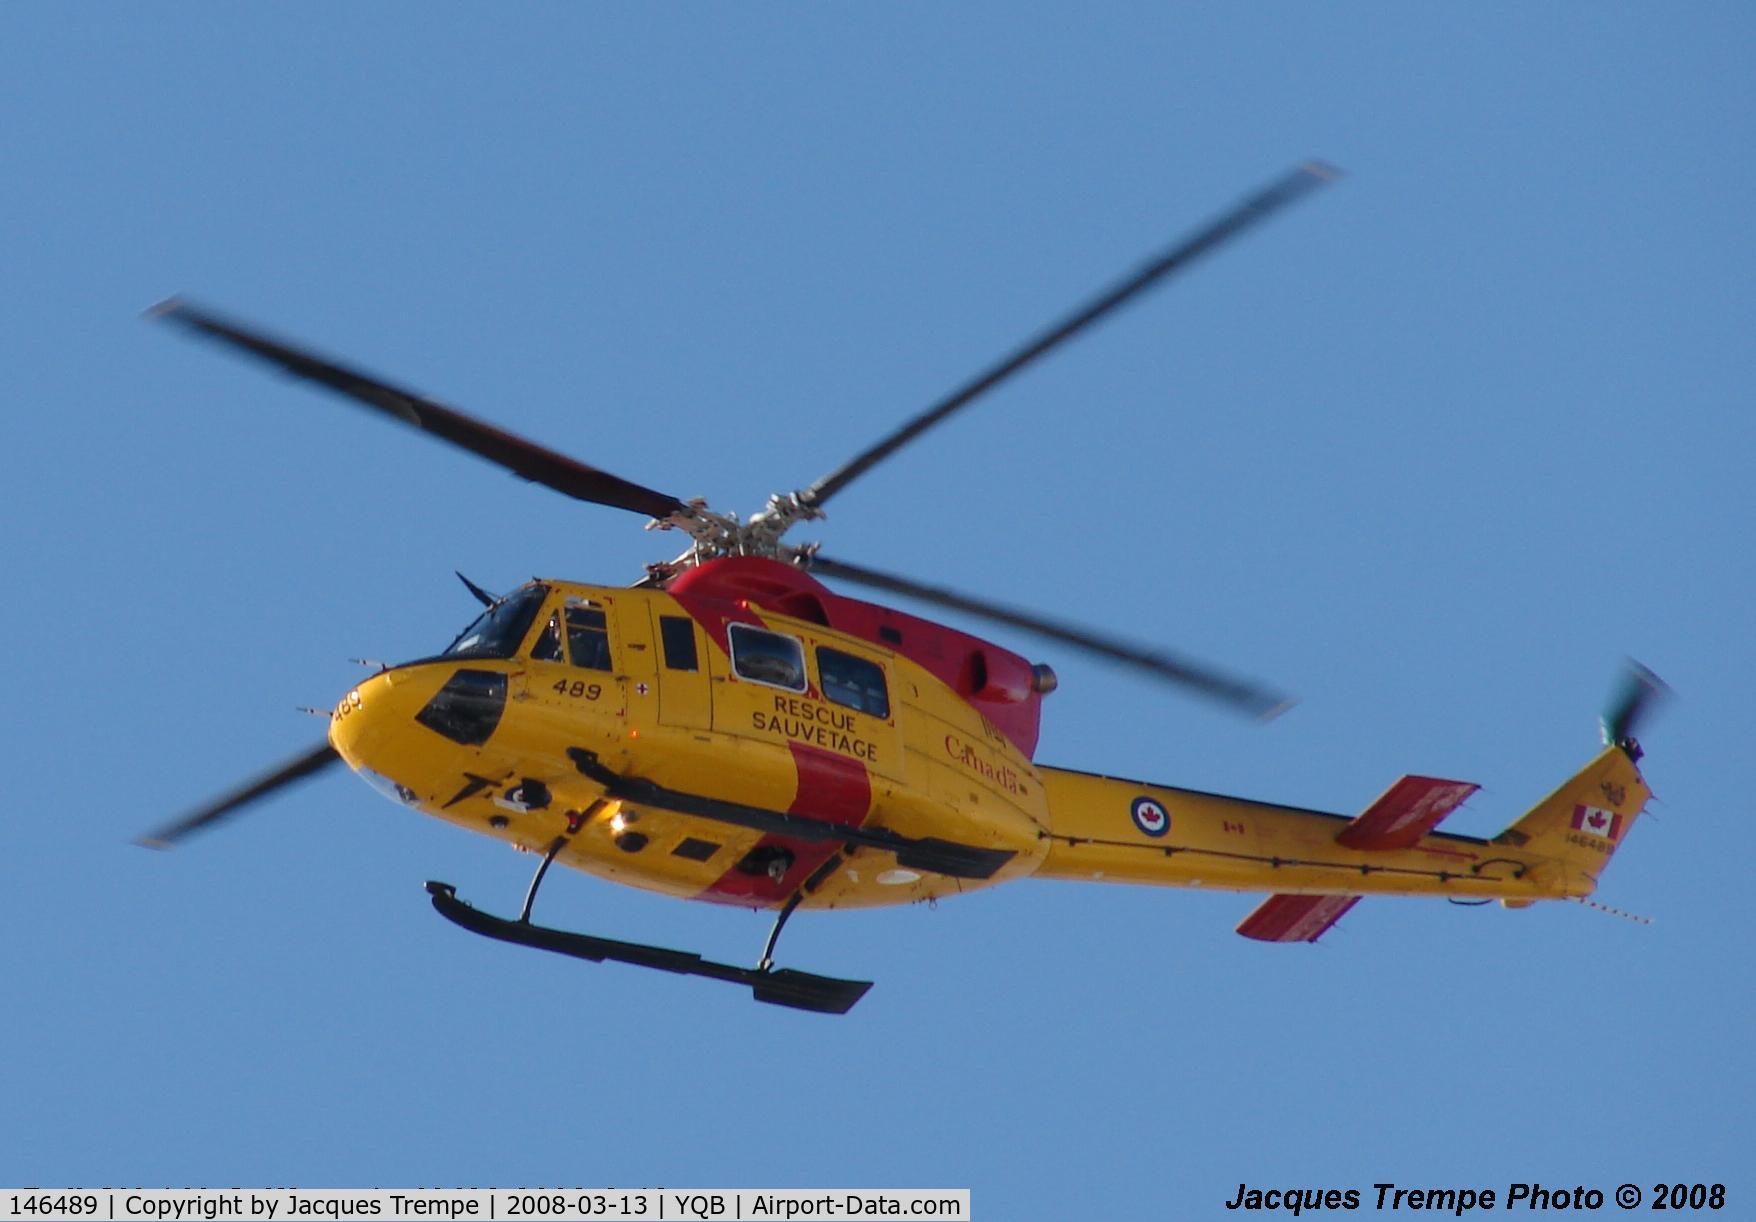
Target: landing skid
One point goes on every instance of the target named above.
(777, 986)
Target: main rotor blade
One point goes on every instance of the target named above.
(524, 458)
(1272, 198)
(476, 591)
(293, 770)
(1239, 693)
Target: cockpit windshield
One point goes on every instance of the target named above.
(498, 631)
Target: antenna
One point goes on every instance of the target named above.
(1626, 916)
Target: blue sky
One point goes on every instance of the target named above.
(1434, 450)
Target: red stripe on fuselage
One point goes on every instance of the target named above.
(833, 789)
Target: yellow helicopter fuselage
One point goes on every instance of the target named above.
(742, 705)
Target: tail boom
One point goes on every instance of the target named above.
(1111, 829)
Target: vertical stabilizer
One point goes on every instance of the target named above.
(1582, 824)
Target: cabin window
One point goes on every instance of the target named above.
(677, 635)
(852, 681)
(588, 638)
(767, 657)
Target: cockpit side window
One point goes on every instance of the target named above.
(548, 646)
(588, 638)
(500, 630)
(767, 657)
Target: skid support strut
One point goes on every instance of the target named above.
(780, 923)
(776, 986)
(536, 880)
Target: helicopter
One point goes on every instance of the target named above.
(730, 729)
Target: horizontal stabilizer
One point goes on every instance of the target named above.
(1295, 918)
(1404, 813)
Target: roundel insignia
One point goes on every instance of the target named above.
(1150, 817)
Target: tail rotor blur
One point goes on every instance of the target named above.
(1640, 693)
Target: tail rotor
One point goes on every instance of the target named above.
(1641, 691)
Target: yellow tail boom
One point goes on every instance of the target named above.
(1315, 864)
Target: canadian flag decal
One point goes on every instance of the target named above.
(1597, 821)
